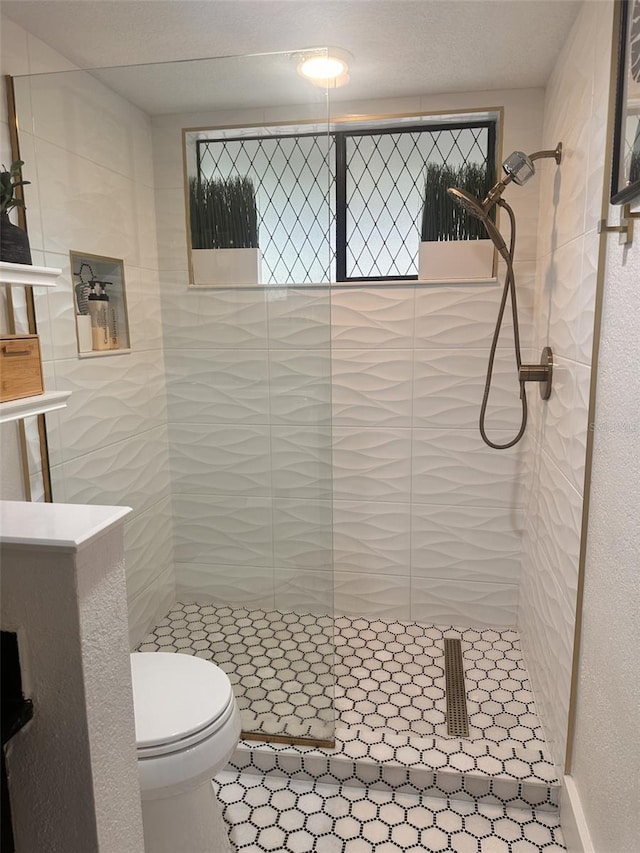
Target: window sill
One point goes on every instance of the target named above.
(451, 282)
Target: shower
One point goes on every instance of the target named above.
(518, 167)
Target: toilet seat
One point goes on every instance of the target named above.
(179, 701)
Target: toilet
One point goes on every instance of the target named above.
(187, 728)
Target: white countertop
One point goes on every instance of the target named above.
(53, 525)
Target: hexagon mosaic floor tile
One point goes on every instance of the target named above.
(388, 676)
(266, 814)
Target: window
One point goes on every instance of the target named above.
(344, 205)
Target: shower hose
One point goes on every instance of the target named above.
(509, 289)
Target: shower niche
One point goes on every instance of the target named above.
(100, 305)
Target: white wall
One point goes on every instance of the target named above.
(427, 519)
(576, 114)
(87, 153)
(73, 769)
(606, 752)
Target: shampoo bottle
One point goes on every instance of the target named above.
(99, 311)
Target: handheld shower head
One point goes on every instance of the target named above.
(480, 209)
(518, 168)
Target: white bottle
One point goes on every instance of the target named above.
(99, 312)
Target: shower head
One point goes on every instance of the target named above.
(518, 168)
(480, 209)
(469, 203)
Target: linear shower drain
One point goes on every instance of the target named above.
(457, 716)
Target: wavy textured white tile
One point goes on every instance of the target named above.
(556, 414)
(371, 537)
(253, 586)
(577, 455)
(32, 445)
(546, 624)
(448, 602)
(214, 319)
(564, 419)
(81, 114)
(559, 525)
(303, 592)
(359, 594)
(300, 386)
(146, 246)
(220, 459)
(134, 473)
(156, 388)
(148, 547)
(109, 403)
(172, 231)
(302, 534)
(300, 319)
(301, 462)
(380, 318)
(448, 386)
(235, 530)
(150, 606)
(371, 388)
(453, 316)
(564, 288)
(61, 335)
(456, 467)
(28, 155)
(218, 386)
(599, 119)
(98, 211)
(466, 543)
(586, 294)
(144, 309)
(371, 464)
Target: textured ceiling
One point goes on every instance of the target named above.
(400, 47)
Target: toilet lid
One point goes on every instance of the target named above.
(175, 695)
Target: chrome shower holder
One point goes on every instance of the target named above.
(541, 372)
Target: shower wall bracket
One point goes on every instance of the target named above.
(542, 373)
(625, 229)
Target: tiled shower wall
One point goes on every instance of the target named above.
(427, 520)
(87, 152)
(576, 113)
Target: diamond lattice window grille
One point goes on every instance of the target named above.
(294, 179)
(384, 193)
(378, 185)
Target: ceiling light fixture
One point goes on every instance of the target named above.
(327, 68)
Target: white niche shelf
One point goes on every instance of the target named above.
(15, 410)
(25, 275)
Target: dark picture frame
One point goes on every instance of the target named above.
(625, 178)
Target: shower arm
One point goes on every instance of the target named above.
(496, 191)
(556, 153)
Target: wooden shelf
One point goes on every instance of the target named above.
(15, 410)
(25, 275)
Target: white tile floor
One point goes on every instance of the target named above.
(387, 676)
(395, 782)
(268, 814)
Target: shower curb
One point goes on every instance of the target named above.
(479, 771)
